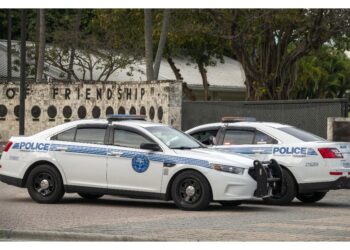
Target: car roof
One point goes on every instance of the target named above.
(240, 124)
(131, 123)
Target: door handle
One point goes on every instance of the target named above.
(115, 153)
(258, 150)
(61, 148)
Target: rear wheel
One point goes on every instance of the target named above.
(230, 203)
(90, 196)
(288, 191)
(190, 191)
(45, 184)
(311, 197)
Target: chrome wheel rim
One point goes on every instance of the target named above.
(44, 184)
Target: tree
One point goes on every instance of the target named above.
(41, 54)
(89, 42)
(152, 70)
(269, 43)
(324, 73)
(161, 44)
(149, 45)
(191, 37)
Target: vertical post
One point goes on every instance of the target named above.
(9, 45)
(22, 73)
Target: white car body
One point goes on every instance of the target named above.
(109, 169)
(302, 158)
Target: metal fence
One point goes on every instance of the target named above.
(310, 115)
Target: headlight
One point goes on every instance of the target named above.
(228, 169)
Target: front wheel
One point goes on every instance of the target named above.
(45, 184)
(190, 191)
(311, 197)
(288, 191)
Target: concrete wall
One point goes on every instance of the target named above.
(338, 129)
(48, 105)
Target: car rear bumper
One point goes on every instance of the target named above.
(11, 180)
(341, 183)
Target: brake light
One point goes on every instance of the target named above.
(336, 173)
(8, 146)
(330, 153)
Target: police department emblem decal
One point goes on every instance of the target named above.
(140, 163)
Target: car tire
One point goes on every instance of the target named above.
(230, 203)
(288, 193)
(190, 190)
(45, 184)
(90, 196)
(311, 197)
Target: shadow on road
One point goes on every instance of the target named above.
(301, 204)
(153, 204)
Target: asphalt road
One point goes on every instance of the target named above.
(328, 220)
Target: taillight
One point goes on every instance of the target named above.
(8, 146)
(330, 153)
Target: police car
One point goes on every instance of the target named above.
(311, 165)
(127, 156)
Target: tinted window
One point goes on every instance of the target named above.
(261, 138)
(90, 135)
(125, 138)
(301, 134)
(237, 137)
(67, 135)
(204, 136)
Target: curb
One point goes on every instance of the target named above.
(20, 235)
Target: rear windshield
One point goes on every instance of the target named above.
(301, 134)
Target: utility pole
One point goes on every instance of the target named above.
(22, 92)
(9, 45)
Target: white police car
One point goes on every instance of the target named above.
(130, 157)
(312, 166)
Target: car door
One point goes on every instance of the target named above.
(129, 167)
(247, 141)
(82, 154)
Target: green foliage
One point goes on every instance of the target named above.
(323, 74)
(193, 34)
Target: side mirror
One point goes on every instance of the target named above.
(212, 140)
(150, 146)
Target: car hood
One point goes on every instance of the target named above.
(217, 157)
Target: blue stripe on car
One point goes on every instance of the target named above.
(130, 154)
(247, 150)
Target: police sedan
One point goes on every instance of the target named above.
(127, 156)
(311, 165)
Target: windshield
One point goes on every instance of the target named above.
(173, 138)
(301, 134)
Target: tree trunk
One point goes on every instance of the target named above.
(37, 41)
(41, 56)
(205, 82)
(149, 45)
(9, 46)
(161, 44)
(185, 89)
(75, 44)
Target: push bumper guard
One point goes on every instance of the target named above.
(269, 178)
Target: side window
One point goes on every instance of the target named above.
(238, 137)
(261, 138)
(67, 135)
(125, 138)
(204, 136)
(90, 135)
